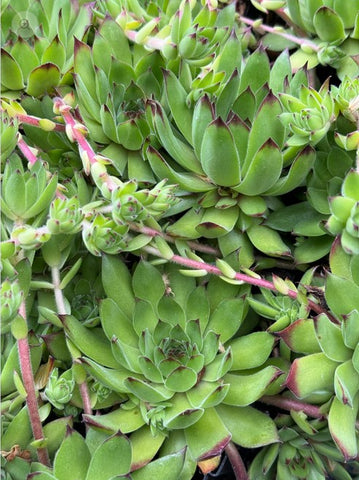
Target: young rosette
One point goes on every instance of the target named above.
(188, 381)
(310, 116)
(65, 216)
(26, 193)
(133, 205)
(102, 234)
(59, 389)
(344, 219)
(11, 297)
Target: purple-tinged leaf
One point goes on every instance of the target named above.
(330, 339)
(246, 389)
(120, 419)
(341, 422)
(208, 437)
(249, 427)
(311, 374)
(300, 336)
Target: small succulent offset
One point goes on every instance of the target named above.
(310, 116)
(58, 390)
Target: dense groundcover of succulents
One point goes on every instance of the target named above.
(180, 239)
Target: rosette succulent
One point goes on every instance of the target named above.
(59, 389)
(26, 193)
(131, 205)
(188, 378)
(332, 29)
(38, 48)
(344, 219)
(310, 116)
(11, 297)
(65, 216)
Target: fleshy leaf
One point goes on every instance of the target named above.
(311, 374)
(207, 437)
(342, 295)
(120, 419)
(43, 79)
(346, 383)
(148, 393)
(251, 350)
(300, 336)
(106, 461)
(66, 464)
(330, 339)
(246, 389)
(117, 283)
(249, 427)
(168, 467)
(262, 170)
(341, 421)
(219, 156)
(147, 283)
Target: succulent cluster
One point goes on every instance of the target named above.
(179, 239)
(331, 30)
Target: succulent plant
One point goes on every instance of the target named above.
(58, 390)
(331, 30)
(38, 51)
(344, 219)
(310, 116)
(179, 258)
(178, 364)
(11, 298)
(26, 194)
(306, 451)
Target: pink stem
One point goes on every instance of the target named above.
(83, 144)
(154, 233)
(259, 282)
(61, 310)
(26, 151)
(85, 398)
(234, 457)
(292, 404)
(69, 120)
(288, 36)
(35, 121)
(31, 397)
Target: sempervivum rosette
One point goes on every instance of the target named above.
(188, 381)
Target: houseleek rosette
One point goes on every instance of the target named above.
(344, 219)
(188, 382)
(310, 116)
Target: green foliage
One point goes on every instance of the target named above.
(179, 239)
